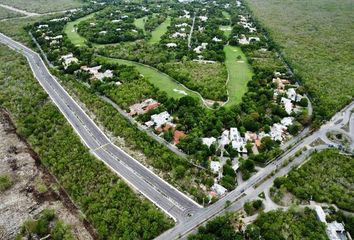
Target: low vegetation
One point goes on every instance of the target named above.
(310, 34)
(46, 225)
(5, 182)
(273, 225)
(101, 195)
(43, 6)
(6, 13)
(327, 177)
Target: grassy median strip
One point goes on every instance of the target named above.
(109, 204)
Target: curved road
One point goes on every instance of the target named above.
(165, 196)
(161, 193)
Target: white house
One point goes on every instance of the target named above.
(161, 119)
(200, 48)
(288, 105)
(43, 26)
(276, 132)
(224, 139)
(68, 60)
(237, 141)
(103, 33)
(291, 93)
(215, 39)
(287, 121)
(171, 45)
(220, 190)
(182, 25)
(215, 166)
(179, 34)
(203, 18)
(209, 141)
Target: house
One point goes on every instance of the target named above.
(243, 40)
(182, 25)
(276, 132)
(288, 105)
(43, 26)
(54, 38)
(237, 141)
(68, 60)
(287, 121)
(178, 34)
(220, 190)
(235, 165)
(161, 119)
(203, 18)
(336, 231)
(291, 94)
(177, 135)
(215, 166)
(254, 39)
(143, 107)
(215, 39)
(59, 19)
(116, 20)
(171, 45)
(103, 33)
(92, 24)
(224, 139)
(200, 48)
(209, 141)
(97, 75)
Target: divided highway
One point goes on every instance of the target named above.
(162, 194)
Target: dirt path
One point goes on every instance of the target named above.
(30, 14)
(33, 188)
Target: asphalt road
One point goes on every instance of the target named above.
(162, 194)
(247, 190)
(173, 202)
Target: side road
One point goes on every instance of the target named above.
(162, 194)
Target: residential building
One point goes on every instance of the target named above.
(215, 166)
(68, 60)
(177, 135)
(209, 141)
(288, 105)
(143, 107)
(161, 119)
(220, 190)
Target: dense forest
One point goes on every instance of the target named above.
(273, 225)
(327, 177)
(100, 194)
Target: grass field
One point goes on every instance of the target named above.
(159, 31)
(70, 30)
(6, 13)
(159, 79)
(43, 6)
(140, 23)
(240, 74)
(226, 29)
(316, 37)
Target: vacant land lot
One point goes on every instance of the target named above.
(43, 6)
(5, 13)
(240, 74)
(327, 177)
(317, 39)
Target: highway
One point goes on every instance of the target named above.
(162, 194)
(188, 214)
(247, 190)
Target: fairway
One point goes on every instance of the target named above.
(159, 31)
(157, 78)
(140, 23)
(226, 28)
(240, 73)
(70, 31)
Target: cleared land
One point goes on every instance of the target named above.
(159, 31)
(73, 35)
(43, 6)
(317, 39)
(6, 13)
(240, 73)
(159, 79)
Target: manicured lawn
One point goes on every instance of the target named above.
(159, 31)
(70, 30)
(159, 79)
(140, 23)
(226, 28)
(240, 73)
(317, 39)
